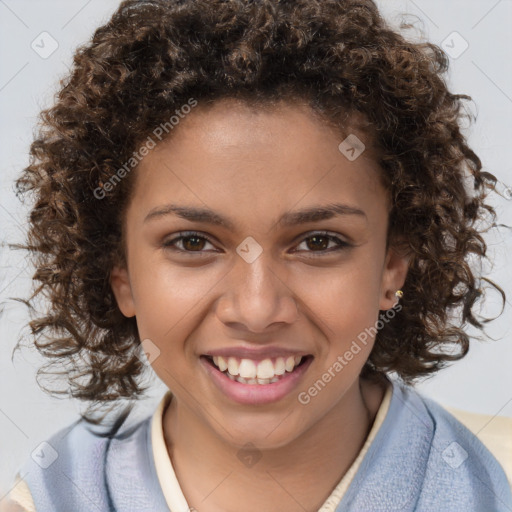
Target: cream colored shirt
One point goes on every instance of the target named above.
(21, 500)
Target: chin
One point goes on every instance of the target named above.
(264, 431)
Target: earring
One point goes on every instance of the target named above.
(399, 294)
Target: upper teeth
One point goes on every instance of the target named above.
(250, 369)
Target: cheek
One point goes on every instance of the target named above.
(346, 299)
(347, 307)
(169, 299)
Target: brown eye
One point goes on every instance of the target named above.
(193, 243)
(319, 242)
(190, 242)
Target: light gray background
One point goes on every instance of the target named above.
(482, 382)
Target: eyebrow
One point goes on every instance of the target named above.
(288, 219)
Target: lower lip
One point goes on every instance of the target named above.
(256, 394)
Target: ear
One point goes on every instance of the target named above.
(120, 284)
(393, 277)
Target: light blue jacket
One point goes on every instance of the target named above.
(422, 459)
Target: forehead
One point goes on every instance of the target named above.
(234, 123)
(231, 153)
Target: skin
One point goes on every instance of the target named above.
(251, 166)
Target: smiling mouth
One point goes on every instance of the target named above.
(250, 371)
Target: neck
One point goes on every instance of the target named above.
(216, 476)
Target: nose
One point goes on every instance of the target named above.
(257, 296)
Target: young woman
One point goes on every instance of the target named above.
(270, 201)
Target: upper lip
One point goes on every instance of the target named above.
(255, 353)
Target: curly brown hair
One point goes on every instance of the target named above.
(338, 55)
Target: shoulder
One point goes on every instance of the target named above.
(459, 468)
(423, 459)
(68, 471)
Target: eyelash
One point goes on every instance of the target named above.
(171, 244)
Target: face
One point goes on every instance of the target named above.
(254, 243)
